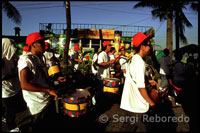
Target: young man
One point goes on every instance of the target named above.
(135, 99)
(11, 92)
(123, 60)
(35, 85)
(75, 59)
(112, 56)
(104, 63)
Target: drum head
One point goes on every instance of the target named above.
(112, 79)
(81, 93)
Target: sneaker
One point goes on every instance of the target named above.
(93, 100)
(3, 120)
(15, 130)
(178, 104)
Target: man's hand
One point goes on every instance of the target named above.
(53, 93)
(62, 79)
(112, 61)
(152, 82)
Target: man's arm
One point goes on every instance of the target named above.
(107, 63)
(145, 95)
(26, 85)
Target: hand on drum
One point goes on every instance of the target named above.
(153, 82)
(62, 79)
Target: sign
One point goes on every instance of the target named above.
(95, 33)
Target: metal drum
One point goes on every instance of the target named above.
(53, 68)
(111, 85)
(76, 104)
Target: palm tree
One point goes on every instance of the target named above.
(169, 10)
(11, 12)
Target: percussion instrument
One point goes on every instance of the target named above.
(53, 68)
(76, 104)
(111, 85)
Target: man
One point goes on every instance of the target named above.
(75, 59)
(35, 85)
(11, 92)
(135, 99)
(164, 69)
(104, 63)
(112, 56)
(123, 60)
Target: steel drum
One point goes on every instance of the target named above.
(76, 104)
(53, 68)
(111, 85)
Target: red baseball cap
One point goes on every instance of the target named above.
(121, 47)
(76, 47)
(139, 38)
(106, 43)
(31, 38)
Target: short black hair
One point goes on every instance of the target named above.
(112, 48)
(166, 51)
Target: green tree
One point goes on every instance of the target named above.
(11, 12)
(170, 10)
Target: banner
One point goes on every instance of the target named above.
(95, 33)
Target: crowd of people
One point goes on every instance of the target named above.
(26, 79)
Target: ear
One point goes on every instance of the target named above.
(33, 45)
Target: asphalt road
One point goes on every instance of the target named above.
(109, 119)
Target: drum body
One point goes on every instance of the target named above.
(53, 68)
(111, 85)
(76, 104)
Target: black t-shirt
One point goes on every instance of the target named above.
(74, 56)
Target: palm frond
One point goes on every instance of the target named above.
(11, 12)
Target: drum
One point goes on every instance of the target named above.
(53, 68)
(111, 85)
(76, 104)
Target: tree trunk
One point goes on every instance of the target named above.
(169, 41)
(177, 31)
(68, 34)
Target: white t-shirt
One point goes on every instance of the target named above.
(36, 101)
(123, 63)
(48, 55)
(93, 61)
(132, 99)
(164, 62)
(103, 71)
(112, 70)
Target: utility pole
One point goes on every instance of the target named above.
(68, 34)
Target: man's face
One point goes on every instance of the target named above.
(39, 47)
(146, 48)
(109, 47)
(122, 51)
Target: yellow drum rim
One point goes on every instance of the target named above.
(53, 70)
(110, 89)
(74, 107)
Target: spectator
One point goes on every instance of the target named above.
(164, 69)
(11, 92)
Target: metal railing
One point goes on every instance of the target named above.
(60, 28)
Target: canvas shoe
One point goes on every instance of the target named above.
(3, 120)
(15, 130)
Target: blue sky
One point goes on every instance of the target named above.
(95, 12)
